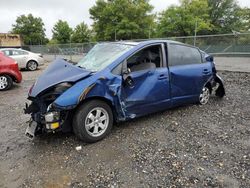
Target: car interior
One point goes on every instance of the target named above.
(148, 58)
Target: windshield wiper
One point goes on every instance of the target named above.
(92, 71)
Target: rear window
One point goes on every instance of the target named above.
(183, 55)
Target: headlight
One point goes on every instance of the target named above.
(52, 120)
(51, 117)
(60, 88)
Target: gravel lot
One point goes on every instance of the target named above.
(190, 146)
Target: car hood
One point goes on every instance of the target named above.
(59, 71)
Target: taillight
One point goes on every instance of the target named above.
(14, 65)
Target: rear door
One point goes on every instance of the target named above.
(188, 73)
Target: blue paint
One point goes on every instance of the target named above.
(154, 89)
(59, 71)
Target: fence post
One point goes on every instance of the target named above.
(195, 31)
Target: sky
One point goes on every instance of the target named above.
(73, 11)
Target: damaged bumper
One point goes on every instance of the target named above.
(218, 86)
(45, 121)
(31, 129)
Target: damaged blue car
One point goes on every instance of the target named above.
(116, 82)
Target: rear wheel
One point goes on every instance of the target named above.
(32, 65)
(5, 82)
(93, 121)
(204, 96)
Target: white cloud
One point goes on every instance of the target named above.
(73, 11)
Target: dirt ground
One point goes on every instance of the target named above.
(189, 146)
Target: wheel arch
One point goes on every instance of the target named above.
(32, 60)
(208, 84)
(100, 98)
(10, 75)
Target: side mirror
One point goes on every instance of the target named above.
(127, 79)
(209, 58)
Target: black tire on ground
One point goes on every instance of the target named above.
(82, 115)
(32, 65)
(6, 82)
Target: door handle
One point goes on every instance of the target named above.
(205, 71)
(162, 77)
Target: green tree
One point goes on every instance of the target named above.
(244, 22)
(122, 19)
(81, 33)
(62, 32)
(181, 20)
(31, 29)
(224, 15)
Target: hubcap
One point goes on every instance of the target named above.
(3, 82)
(204, 96)
(97, 122)
(32, 65)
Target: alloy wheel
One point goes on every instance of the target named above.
(97, 121)
(32, 65)
(3, 82)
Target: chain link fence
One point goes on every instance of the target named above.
(225, 45)
(73, 52)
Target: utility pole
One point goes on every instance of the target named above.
(70, 47)
(115, 34)
(195, 31)
(149, 32)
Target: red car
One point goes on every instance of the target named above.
(9, 72)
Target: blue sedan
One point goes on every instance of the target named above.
(116, 82)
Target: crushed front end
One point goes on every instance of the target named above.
(45, 116)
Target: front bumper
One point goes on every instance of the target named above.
(31, 129)
(42, 123)
(47, 120)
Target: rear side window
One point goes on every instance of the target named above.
(15, 52)
(183, 55)
(23, 52)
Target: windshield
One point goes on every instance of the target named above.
(101, 55)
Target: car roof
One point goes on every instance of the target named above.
(137, 42)
(12, 49)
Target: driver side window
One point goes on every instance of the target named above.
(147, 58)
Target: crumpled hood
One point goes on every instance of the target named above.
(57, 72)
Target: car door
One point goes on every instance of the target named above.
(188, 73)
(149, 91)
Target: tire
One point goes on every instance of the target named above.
(6, 82)
(32, 65)
(204, 95)
(93, 121)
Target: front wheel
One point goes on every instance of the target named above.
(5, 82)
(204, 95)
(93, 121)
